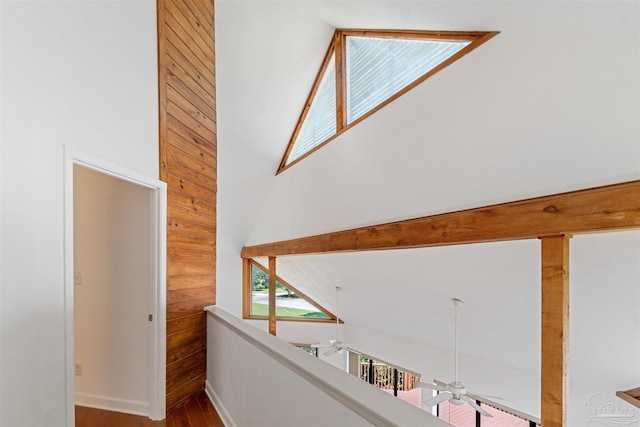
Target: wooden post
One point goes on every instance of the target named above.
(272, 295)
(247, 296)
(354, 363)
(555, 330)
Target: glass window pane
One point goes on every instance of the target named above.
(320, 121)
(259, 292)
(378, 68)
(288, 304)
(309, 350)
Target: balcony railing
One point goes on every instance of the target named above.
(384, 377)
(254, 378)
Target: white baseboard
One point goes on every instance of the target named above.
(127, 406)
(217, 403)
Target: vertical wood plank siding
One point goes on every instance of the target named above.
(188, 166)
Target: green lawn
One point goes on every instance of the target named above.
(263, 310)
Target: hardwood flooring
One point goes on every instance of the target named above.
(196, 412)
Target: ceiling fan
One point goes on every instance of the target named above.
(335, 346)
(455, 392)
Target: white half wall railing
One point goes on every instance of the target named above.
(255, 379)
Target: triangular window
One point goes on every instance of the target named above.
(363, 71)
(290, 303)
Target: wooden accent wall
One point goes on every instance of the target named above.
(188, 166)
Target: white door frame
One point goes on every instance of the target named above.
(157, 362)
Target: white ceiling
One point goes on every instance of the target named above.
(549, 105)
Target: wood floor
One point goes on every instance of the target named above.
(197, 412)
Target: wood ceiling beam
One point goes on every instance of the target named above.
(608, 208)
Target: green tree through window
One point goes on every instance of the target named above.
(288, 303)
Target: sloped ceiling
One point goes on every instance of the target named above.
(538, 91)
(549, 105)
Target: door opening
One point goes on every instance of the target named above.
(115, 222)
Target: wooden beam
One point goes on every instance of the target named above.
(555, 330)
(272, 295)
(609, 208)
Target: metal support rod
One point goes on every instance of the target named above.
(456, 303)
(338, 313)
(370, 371)
(395, 382)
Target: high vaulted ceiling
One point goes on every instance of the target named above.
(549, 105)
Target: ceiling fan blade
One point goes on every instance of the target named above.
(475, 406)
(485, 396)
(430, 386)
(438, 399)
(440, 383)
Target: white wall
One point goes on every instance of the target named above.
(112, 254)
(0, 207)
(604, 333)
(77, 73)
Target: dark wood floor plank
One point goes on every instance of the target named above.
(180, 417)
(105, 419)
(213, 419)
(81, 415)
(196, 412)
(169, 421)
(196, 416)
